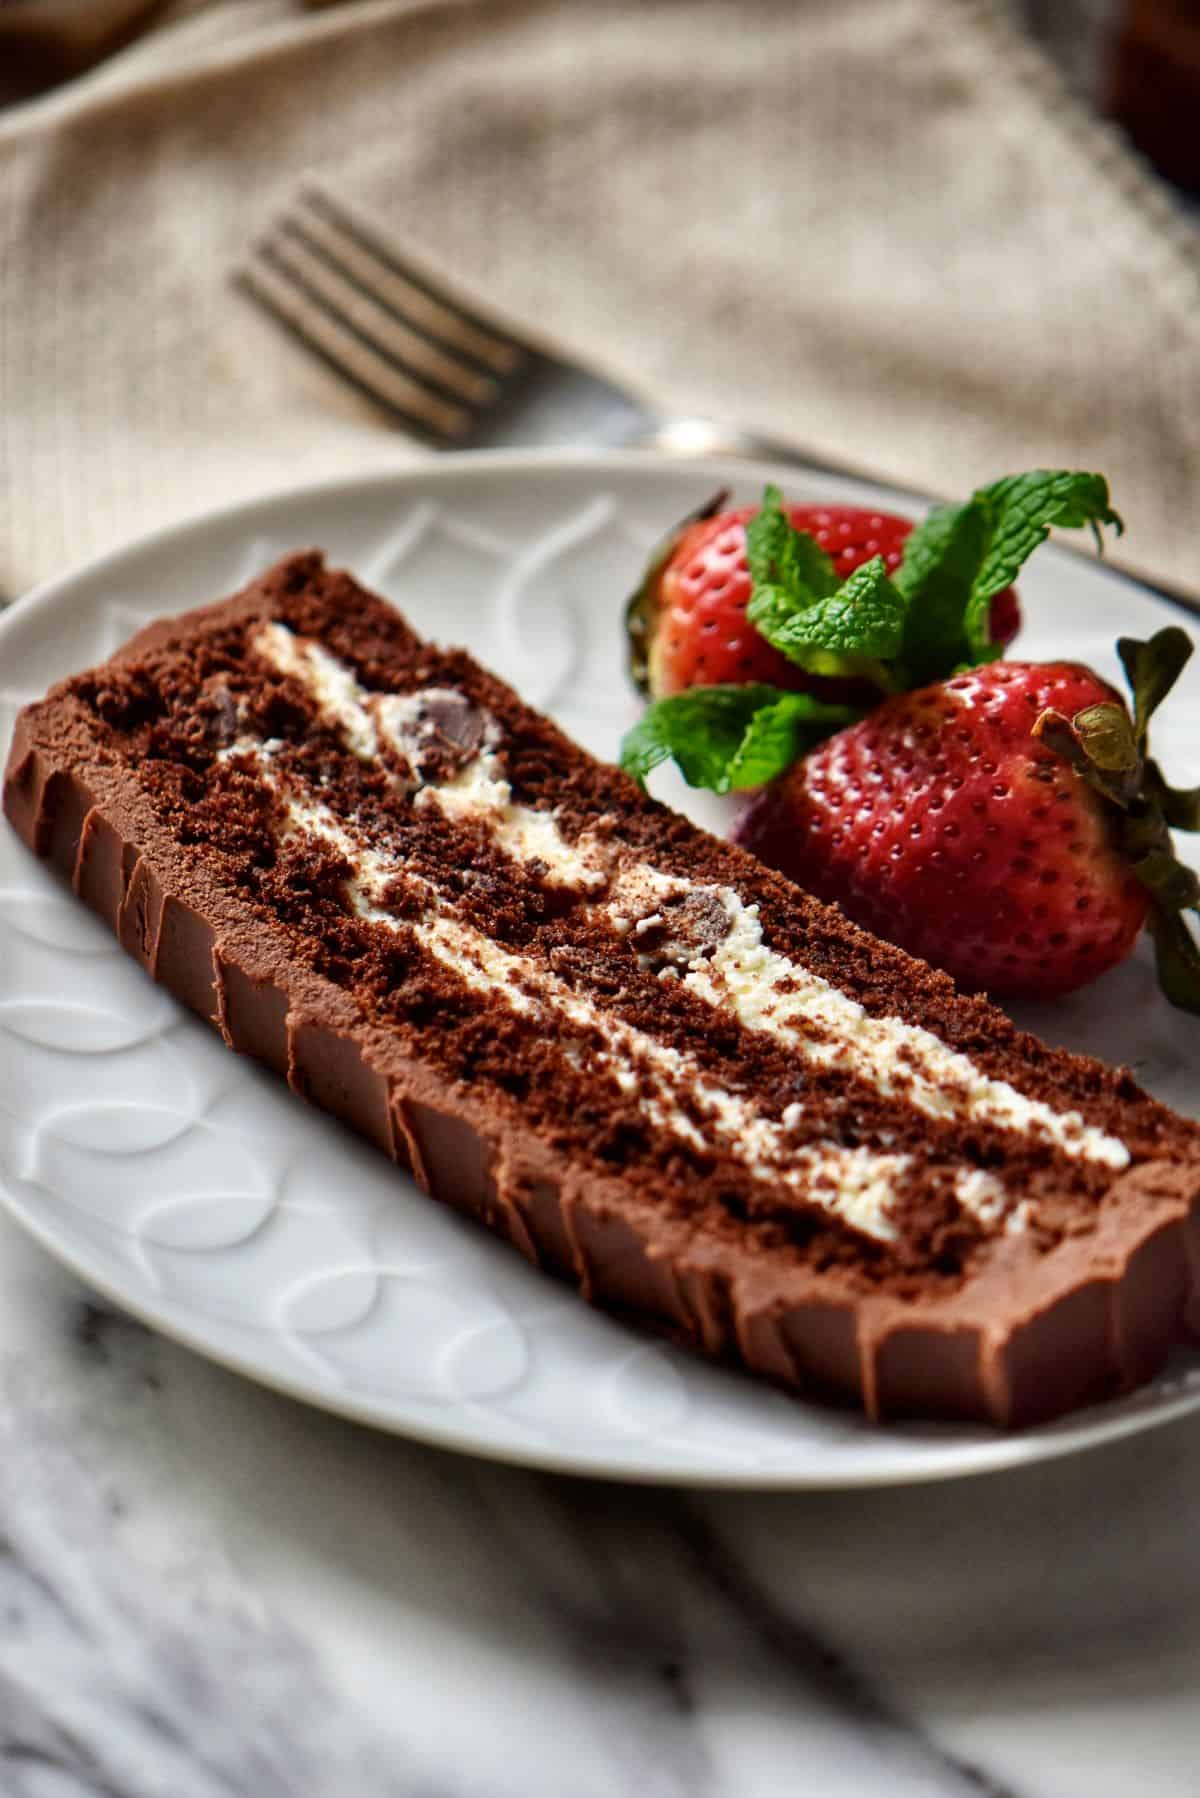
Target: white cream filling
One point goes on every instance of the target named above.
(333, 686)
(765, 990)
(519, 830)
(479, 791)
(769, 992)
(854, 1184)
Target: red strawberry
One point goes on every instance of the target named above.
(688, 624)
(944, 823)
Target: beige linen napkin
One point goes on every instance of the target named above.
(879, 227)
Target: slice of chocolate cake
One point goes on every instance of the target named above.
(658, 1069)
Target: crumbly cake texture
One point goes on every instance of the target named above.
(658, 1069)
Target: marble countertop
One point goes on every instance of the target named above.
(208, 1590)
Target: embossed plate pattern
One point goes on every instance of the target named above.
(190, 1187)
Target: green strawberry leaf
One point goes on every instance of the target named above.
(1152, 669)
(1108, 737)
(730, 738)
(1108, 749)
(1177, 957)
(1175, 886)
(1180, 806)
(1099, 744)
(1021, 509)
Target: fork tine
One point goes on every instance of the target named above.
(409, 288)
(349, 354)
(360, 308)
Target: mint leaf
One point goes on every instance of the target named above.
(789, 571)
(778, 734)
(729, 738)
(851, 631)
(960, 557)
(935, 616)
(942, 556)
(701, 730)
(781, 556)
(1021, 509)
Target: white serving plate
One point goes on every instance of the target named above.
(188, 1186)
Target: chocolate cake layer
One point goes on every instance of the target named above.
(655, 1067)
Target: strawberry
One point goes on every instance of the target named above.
(1001, 820)
(687, 622)
(941, 822)
(1005, 825)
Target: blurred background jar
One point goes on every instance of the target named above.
(1138, 61)
(43, 42)
(1153, 86)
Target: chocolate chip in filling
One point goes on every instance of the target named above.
(447, 733)
(683, 929)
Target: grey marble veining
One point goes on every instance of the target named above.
(133, 1658)
(207, 1590)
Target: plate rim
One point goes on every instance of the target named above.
(1007, 1451)
(730, 469)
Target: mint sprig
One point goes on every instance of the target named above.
(730, 738)
(934, 614)
(847, 630)
(1019, 511)
(783, 558)
(941, 560)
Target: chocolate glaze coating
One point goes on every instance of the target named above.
(1010, 1328)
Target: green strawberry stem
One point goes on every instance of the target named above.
(1108, 748)
(1177, 959)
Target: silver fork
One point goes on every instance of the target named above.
(441, 366)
